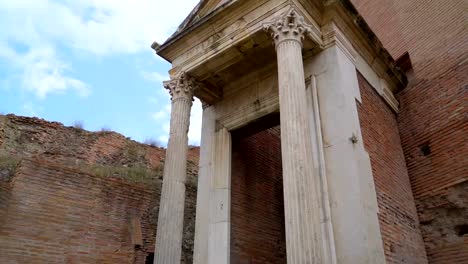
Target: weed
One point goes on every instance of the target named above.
(8, 166)
(8, 162)
(136, 174)
(78, 124)
(152, 142)
(106, 129)
(132, 152)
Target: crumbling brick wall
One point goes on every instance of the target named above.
(60, 215)
(29, 136)
(56, 214)
(444, 224)
(98, 170)
(433, 110)
(257, 214)
(433, 131)
(398, 218)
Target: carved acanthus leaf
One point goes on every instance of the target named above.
(291, 26)
(181, 87)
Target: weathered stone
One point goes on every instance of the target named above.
(171, 210)
(302, 217)
(317, 155)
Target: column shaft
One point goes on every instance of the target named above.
(301, 200)
(171, 208)
(205, 175)
(302, 215)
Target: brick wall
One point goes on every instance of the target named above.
(433, 114)
(444, 224)
(397, 213)
(257, 214)
(28, 136)
(54, 214)
(381, 16)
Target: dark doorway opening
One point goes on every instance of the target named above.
(257, 207)
(149, 258)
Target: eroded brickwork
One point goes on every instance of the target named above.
(29, 136)
(59, 215)
(397, 213)
(76, 195)
(257, 216)
(54, 214)
(433, 113)
(444, 224)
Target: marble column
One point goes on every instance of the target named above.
(301, 200)
(205, 174)
(219, 230)
(171, 207)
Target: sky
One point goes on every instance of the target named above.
(90, 62)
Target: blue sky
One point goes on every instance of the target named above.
(91, 61)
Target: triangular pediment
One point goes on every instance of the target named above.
(202, 9)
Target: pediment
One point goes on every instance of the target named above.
(222, 39)
(202, 9)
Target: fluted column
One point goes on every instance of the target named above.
(301, 201)
(171, 207)
(205, 175)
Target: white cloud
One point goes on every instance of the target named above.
(164, 114)
(29, 109)
(100, 27)
(196, 114)
(159, 115)
(97, 27)
(163, 139)
(34, 31)
(42, 72)
(155, 76)
(163, 117)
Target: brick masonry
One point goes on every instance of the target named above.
(398, 218)
(257, 223)
(54, 212)
(433, 113)
(59, 215)
(432, 132)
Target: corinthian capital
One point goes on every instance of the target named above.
(181, 87)
(291, 26)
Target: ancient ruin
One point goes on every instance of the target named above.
(72, 196)
(297, 70)
(333, 132)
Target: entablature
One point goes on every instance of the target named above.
(345, 17)
(231, 38)
(228, 42)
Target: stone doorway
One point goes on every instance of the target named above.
(257, 207)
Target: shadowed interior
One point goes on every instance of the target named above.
(257, 213)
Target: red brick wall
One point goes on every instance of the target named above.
(257, 214)
(54, 214)
(433, 113)
(381, 16)
(444, 224)
(28, 136)
(59, 215)
(60, 149)
(397, 213)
